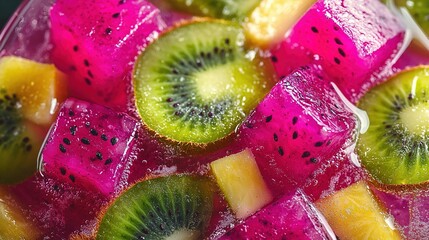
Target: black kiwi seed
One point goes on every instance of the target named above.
(160, 208)
(395, 148)
(198, 90)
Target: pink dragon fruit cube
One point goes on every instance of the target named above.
(96, 42)
(291, 217)
(299, 126)
(350, 39)
(90, 146)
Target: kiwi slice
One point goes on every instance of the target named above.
(197, 82)
(395, 148)
(172, 207)
(226, 9)
(19, 141)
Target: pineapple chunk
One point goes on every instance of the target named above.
(40, 87)
(353, 213)
(241, 182)
(12, 224)
(270, 21)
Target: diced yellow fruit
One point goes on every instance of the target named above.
(13, 225)
(270, 21)
(353, 213)
(40, 87)
(241, 182)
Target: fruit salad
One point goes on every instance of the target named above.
(197, 119)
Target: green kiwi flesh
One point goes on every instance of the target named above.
(226, 9)
(172, 207)
(20, 141)
(197, 82)
(394, 150)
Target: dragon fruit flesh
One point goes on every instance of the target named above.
(96, 49)
(58, 209)
(291, 217)
(351, 41)
(409, 208)
(337, 173)
(397, 205)
(91, 146)
(299, 126)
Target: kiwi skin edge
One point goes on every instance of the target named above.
(199, 148)
(394, 188)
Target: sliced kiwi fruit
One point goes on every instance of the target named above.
(29, 92)
(197, 82)
(172, 207)
(395, 149)
(226, 9)
(19, 141)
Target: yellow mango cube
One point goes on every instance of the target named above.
(241, 182)
(270, 21)
(353, 213)
(39, 87)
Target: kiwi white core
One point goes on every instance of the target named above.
(415, 119)
(184, 234)
(215, 82)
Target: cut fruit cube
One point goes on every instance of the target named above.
(269, 22)
(299, 126)
(40, 87)
(91, 146)
(350, 41)
(13, 224)
(291, 217)
(96, 49)
(241, 182)
(353, 213)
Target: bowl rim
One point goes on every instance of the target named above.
(13, 21)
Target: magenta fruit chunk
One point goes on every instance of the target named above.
(91, 146)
